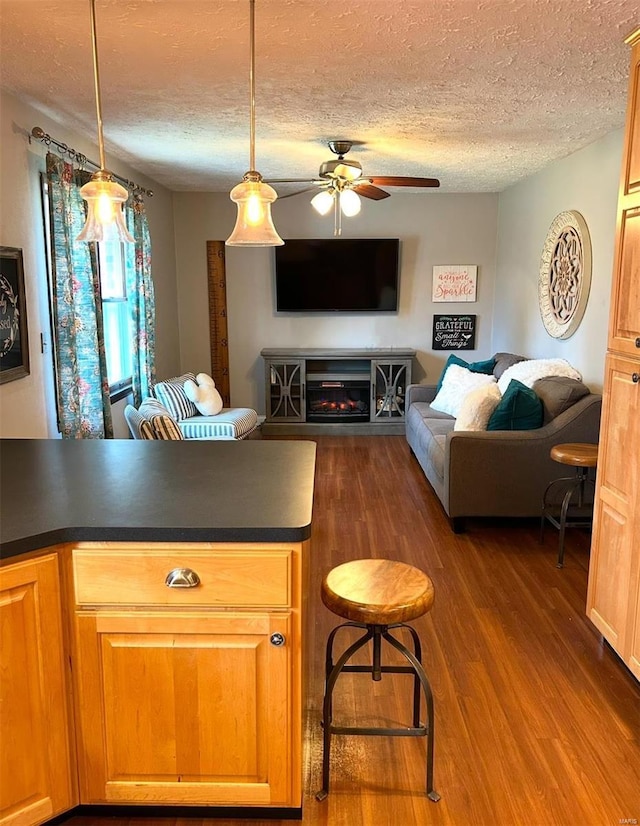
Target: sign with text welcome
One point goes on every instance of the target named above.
(454, 283)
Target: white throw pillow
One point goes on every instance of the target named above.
(202, 392)
(458, 381)
(528, 372)
(477, 407)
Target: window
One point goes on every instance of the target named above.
(112, 269)
(116, 316)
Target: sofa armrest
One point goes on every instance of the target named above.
(420, 393)
(505, 473)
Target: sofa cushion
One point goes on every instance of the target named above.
(157, 417)
(559, 394)
(172, 395)
(504, 361)
(458, 381)
(519, 409)
(474, 366)
(230, 423)
(477, 408)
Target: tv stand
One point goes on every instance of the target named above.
(346, 390)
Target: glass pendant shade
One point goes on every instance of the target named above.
(105, 219)
(350, 203)
(323, 201)
(254, 225)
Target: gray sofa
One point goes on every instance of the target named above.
(498, 473)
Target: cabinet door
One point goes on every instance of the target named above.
(285, 391)
(35, 771)
(624, 332)
(389, 381)
(613, 568)
(187, 708)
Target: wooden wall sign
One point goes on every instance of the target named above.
(454, 332)
(218, 331)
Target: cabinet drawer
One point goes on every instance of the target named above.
(226, 578)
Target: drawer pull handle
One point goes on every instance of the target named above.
(277, 639)
(635, 377)
(182, 578)
(638, 342)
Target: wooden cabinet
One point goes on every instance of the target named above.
(613, 597)
(35, 758)
(335, 388)
(188, 695)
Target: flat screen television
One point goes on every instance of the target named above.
(337, 275)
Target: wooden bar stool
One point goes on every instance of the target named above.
(582, 456)
(377, 595)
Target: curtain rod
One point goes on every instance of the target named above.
(78, 157)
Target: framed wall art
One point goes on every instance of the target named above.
(454, 332)
(454, 283)
(564, 279)
(14, 342)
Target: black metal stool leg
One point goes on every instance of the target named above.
(416, 680)
(328, 662)
(563, 518)
(432, 794)
(327, 706)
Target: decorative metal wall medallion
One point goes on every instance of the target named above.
(565, 274)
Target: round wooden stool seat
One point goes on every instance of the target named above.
(377, 591)
(576, 454)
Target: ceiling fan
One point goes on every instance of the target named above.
(341, 184)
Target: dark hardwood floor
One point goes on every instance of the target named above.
(537, 720)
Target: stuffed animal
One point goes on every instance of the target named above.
(202, 392)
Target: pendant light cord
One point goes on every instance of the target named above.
(96, 77)
(252, 86)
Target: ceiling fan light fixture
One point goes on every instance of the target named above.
(323, 201)
(350, 202)
(254, 225)
(104, 197)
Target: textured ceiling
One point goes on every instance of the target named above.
(478, 93)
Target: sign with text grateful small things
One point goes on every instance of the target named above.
(454, 332)
(454, 283)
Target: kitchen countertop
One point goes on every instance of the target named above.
(115, 490)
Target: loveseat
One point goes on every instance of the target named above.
(498, 473)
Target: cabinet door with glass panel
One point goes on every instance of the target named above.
(389, 381)
(285, 385)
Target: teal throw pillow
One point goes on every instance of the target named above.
(520, 409)
(485, 367)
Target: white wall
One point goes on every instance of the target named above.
(27, 404)
(587, 182)
(434, 228)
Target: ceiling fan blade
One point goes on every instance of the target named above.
(369, 191)
(298, 192)
(390, 180)
(293, 181)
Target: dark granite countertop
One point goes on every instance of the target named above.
(126, 490)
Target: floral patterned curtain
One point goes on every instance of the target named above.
(141, 300)
(84, 407)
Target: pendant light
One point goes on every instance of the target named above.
(104, 197)
(254, 226)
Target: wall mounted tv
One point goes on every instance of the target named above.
(337, 275)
